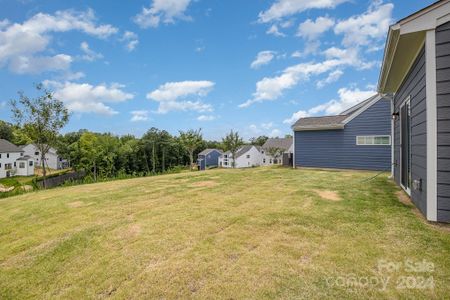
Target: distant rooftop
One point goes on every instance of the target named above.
(331, 122)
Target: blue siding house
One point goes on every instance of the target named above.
(358, 138)
(416, 70)
(208, 158)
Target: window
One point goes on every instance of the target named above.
(8, 166)
(31, 163)
(264, 160)
(373, 140)
(21, 153)
(0, 165)
(0, 155)
(15, 164)
(248, 155)
(7, 155)
(21, 165)
(36, 153)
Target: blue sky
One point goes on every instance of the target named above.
(253, 66)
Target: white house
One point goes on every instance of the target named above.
(13, 162)
(247, 156)
(285, 146)
(52, 160)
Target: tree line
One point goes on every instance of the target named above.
(39, 121)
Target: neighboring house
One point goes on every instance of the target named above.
(416, 69)
(358, 138)
(52, 160)
(246, 156)
(286, 147)
(208, 158)
(13, 162)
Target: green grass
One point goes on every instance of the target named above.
(259, 233)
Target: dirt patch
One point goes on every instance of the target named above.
(329, 195)
(134, 230)
(403, 198)
(76, 204)
(208, 183)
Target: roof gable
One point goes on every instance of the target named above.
(282, 143)
(335, 122)
(7, 146)
(404, 42)
(209, 150)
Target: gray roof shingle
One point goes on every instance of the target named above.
(281, 143)
(327, 122)
(206, 151)
(6, 146)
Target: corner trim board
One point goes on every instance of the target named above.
(431, 121)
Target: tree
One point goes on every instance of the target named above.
(6, 131)
(232, 142)
(41, 119)
(89, 148)
(275, 153)
(191, 140)
(259, 141)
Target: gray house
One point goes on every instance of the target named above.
(416, 68)
(358, 138)
(208, 158)
(285, 148)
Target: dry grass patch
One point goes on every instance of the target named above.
(207, 183)
(328, 195)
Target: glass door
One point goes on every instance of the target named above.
(405, 151)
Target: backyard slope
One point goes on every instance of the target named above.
(255, 233)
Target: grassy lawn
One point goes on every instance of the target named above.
(257, 233)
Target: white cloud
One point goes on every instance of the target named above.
(21, 45)
(162, 11)
(313, 29)
(86, 98)
(271, 88)
(332, 77)
(262, 58)
(89, 54)
(295, 116)
(283, 8)
(347, 99)
(130, 39)
(349, 56)
(4, 23)
(139, 115)
(268, 129)
(36, 64)
(273, 30)
(296, 54)
(366, 28)
(206, 118)
(171, 96)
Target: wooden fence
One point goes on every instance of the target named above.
(58, 180)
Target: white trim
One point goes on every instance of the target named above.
(393, 140)
(373, 136)
(362, 109)
(431, 115)
(407, 189)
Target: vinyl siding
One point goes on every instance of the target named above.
(338, 149)
(443, 120)
(414, 87)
